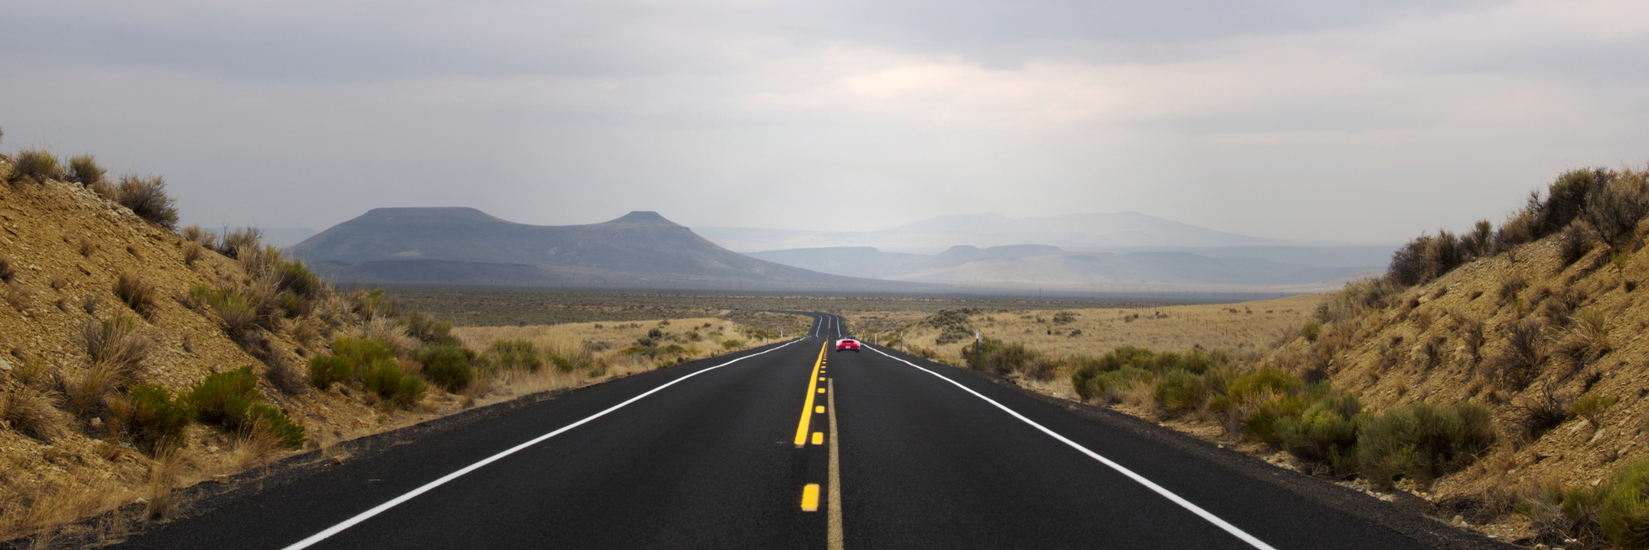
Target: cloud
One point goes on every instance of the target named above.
(1366, 121)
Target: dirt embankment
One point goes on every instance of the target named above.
(99, 305)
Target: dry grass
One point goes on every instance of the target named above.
(392, 333)
(138, 295)
(285, 376)
(333, 452)
(255, 447)
(601, 343)
(1241, 329)
(63, 497)
(115, 341)
(31, 412)
(192, 252)
(164, 471)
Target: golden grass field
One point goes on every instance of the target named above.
(1236, 328)
(699, 337)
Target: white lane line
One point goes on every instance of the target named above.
(363, 516)
(1229, 528)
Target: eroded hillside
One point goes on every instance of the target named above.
(136, 358)
(1498, 374)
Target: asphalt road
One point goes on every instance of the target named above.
(900, 453)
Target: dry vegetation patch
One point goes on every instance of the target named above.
(1498, 374)
(526, 359)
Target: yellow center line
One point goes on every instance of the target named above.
(807, 407)
(810, 498)
(834, 538)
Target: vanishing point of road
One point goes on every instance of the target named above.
(793, 445)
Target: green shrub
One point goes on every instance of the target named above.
(1198, 361)
(1573, 244)
(1087, 368)
(1591, 407)
(426, 328)
(233, 242)
(1566, 198)
(561, 363)
(231, 400)
(276, 423)
(83, 169)
(1179, 392)
(1262, 424)
(147, 198)
(238, 315)
(38, 165)
(222, 398)
(155, 419)
(1325, 433)
(995, 356)
(516, 355)
(293, 305)
(1614, 208)
(326, 370)
(292, 276)
(384, 378)
(1423, 441)
(450, 367)
(732, 344)
(1261, 382)
(372, 364)
(374, 303)
(1624, 514)
(1107, 384)
(1127, 356)
(1311, 330)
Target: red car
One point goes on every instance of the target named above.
(847, 344)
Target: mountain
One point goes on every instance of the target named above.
(465, 246)
(1041, 265)
(1076, 251)
(1072, 232)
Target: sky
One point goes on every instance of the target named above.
(1348, 120)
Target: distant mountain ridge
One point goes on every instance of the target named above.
(451, 245)
(1041, 265)
(1075, 251)
(1082, 232)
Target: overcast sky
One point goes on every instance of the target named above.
(1353, 120)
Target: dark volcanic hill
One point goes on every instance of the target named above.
(464, 246)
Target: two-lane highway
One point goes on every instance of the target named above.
(794, 445)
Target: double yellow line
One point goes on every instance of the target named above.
(813, 390)
(810, 493)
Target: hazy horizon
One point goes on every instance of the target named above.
(1341, 121)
